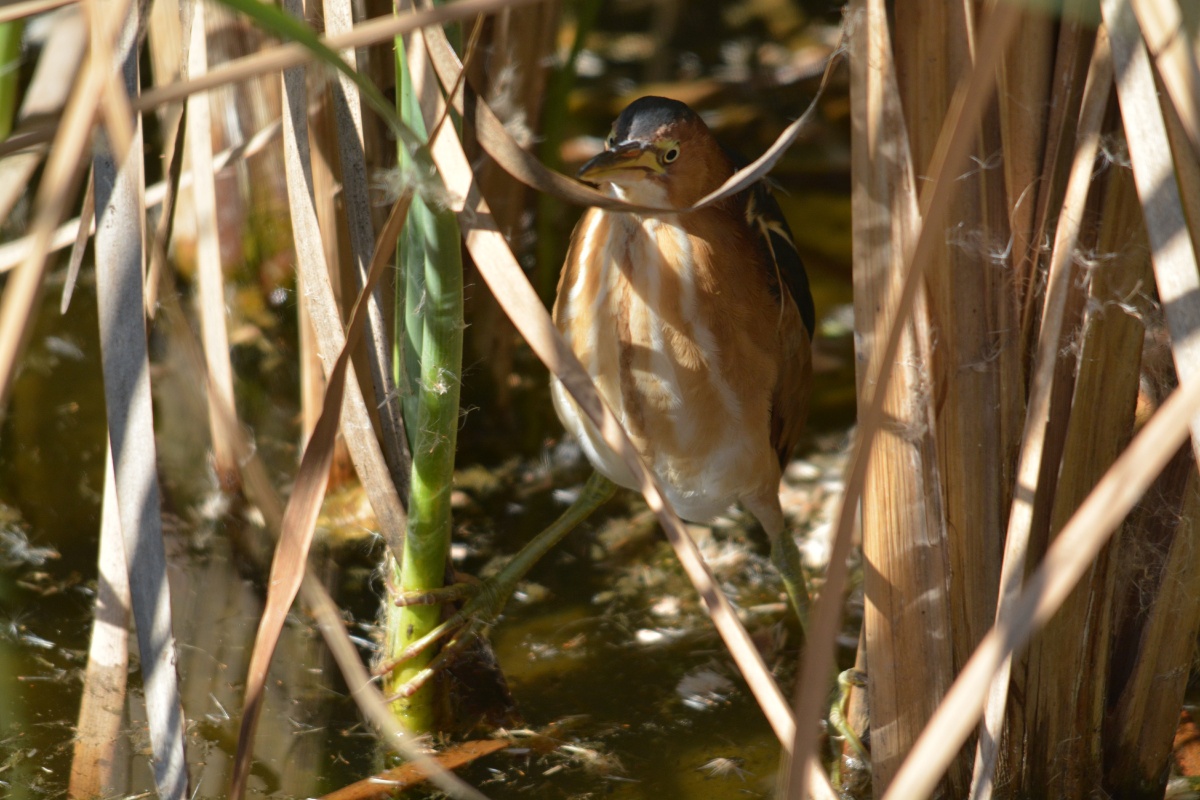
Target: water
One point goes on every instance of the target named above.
(605, 648)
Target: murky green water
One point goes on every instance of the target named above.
(613, 650)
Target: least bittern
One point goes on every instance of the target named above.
(696, 327)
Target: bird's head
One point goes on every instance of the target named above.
(658, 153)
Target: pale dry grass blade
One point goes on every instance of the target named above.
(348, 115)
(1038, 416)
(95, 767)
(14, 252)
(512, 289)
(211, 297)
(46, 94)
(1162, 27)
(1174, 260)
(79, 248)
(126, 368)
(288, 566)
(358, 430)
(1067, 559)
(20, 10)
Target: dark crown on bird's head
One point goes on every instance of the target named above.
(645, 118)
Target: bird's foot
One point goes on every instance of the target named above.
(847, 681)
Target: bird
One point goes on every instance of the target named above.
(696, 327)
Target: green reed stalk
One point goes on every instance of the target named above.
(10, 71)
(430, 301)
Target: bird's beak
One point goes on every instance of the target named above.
(625, 162)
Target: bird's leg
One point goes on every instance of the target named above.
(491, 595)
(786, 558)
(495, 591)
(785, 555)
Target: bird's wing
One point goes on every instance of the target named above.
(789, 401)
(767, 220)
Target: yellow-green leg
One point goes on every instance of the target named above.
(785, 555)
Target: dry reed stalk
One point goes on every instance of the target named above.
(976, 360)
(903, 519)
(325, 180)
(1025, 87)
(328, 616)
(357, 427)
(1068, 558)
(1055, 744)
(1045, 423)
(1078, 642)
(211, 296)
(1067, 684)
(944, 145)
(1161, 558)
(96, 768)
(125, 363)
(1154, 173)
(356, 202)
(949, 158)
(1162, 25)
(46, 94)
(1068, 77)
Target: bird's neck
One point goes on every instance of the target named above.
(642, 193)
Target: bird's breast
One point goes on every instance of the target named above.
(639, 307)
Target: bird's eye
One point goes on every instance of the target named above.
(611, 141)
(670, 155)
